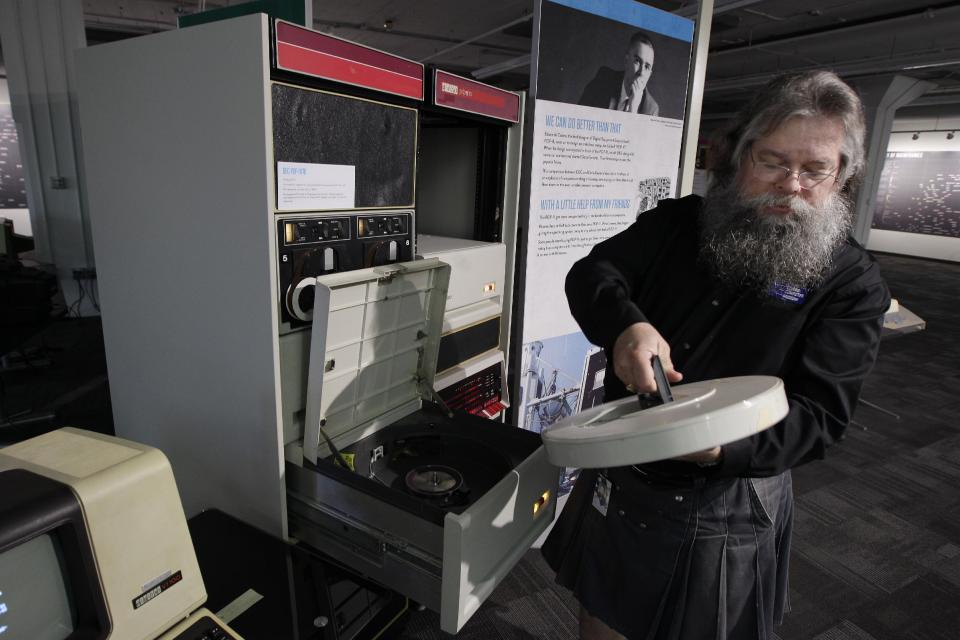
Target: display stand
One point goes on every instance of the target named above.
(896, 323)
(901, 322)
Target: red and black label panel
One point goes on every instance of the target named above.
(320, 55)
(463, 94)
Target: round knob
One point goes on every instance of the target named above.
(300, 300)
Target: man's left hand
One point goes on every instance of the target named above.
(707, 456)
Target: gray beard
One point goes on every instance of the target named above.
(745, 248)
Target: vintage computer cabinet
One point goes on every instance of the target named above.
(202, 246)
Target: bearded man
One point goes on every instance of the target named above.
(758, 278)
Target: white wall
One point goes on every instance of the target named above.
(39, 39)
(901, 139)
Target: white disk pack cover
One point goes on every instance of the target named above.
(702, 415)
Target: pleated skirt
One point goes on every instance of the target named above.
(692, 561)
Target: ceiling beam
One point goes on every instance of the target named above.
(932, 98)
(866, 66)
(690, 10)
(844, 31)
(458, 42)
(485, 34)
(141, 16)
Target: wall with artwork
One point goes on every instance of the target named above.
(13, 192)
(917, 206)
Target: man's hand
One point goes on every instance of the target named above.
(635, 90)
(708, 456)
(631, 362)
(631, 358)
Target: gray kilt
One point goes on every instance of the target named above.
(678, 559)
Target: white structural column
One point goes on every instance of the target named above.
(881, 96)
(39, 38)
(691, 121)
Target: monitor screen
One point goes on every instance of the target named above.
(35, 600)
(49, 587)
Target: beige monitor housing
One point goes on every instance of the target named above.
(135, 522)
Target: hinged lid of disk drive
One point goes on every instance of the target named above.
(701, 416)
(373, 352)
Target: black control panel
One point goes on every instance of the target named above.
(380, 225)
(303, 232)
(311, 246)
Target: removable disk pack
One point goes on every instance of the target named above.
(702, 415)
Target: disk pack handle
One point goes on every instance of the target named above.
(664, 394)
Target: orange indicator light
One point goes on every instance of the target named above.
(541, 502)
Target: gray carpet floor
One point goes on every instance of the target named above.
(877, 545)
(876, 552)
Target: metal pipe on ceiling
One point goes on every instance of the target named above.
(485, 34)
(501, 67)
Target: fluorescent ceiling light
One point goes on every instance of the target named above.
(929, 65)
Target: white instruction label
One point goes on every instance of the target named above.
(305, 185)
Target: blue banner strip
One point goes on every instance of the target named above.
(636, 14)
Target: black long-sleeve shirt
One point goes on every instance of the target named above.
(821, 343)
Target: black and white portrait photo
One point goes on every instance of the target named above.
(595, 61)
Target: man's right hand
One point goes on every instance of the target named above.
(632, 352)
(636, 88)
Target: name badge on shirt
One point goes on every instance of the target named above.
(788, 293)
(601, 494)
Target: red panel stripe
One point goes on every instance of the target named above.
(331, 67)
(475, 97)
(323, 43)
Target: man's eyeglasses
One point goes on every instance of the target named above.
(769, 172)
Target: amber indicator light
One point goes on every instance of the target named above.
(541, 502)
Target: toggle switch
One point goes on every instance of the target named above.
(329, 262)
